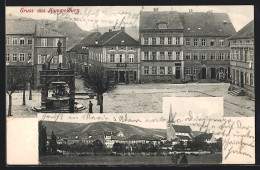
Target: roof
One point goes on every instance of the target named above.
(246, 32)
(207, 24)
(205, 136)
(181, 128)
(117, 138)
(86, 41)
(16, 26)
(115, 38)
(150, 20)
(183, 137)
(43, 31)
(135, 137)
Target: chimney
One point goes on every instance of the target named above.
(190, 11)
(155, 9)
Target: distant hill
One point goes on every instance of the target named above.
(132, 31)
(65, 129)
(73, 32)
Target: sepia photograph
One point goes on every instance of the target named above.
(91, 59)
(130, 85)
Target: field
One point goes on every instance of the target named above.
(126, 160)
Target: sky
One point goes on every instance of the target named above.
(91, 17)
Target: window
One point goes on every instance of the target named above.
(187, 40)
(169, 40)
(188, 57)
(221, 56)
(203, 42)
(44, 42)
(7, 40)
(29, 41)
(55, 42)
(162, 26)
(241, 55)
(14, 57)
(7, 58)
(162, 40)
(21, 57)
(22, 41)
(178, 40)
(55, 60)
(146, 41)
(43, 58)
(228, 56)
(154, 70)
(146, 70)
(153, 55)
(170, 55)
(212, 42)
(188, 70)
(162, 70)
(251, 79)
(153, 41)
(251, 53)
(221, 43)
(213, 56)
(146, 55)
(162, 56)
(169, 70)
(15, 40)
(194, 70)
(177, 55)
(203, 56)
(195, 42)
(120, 58)
(195, 57)
(131, 58)
(112, 58)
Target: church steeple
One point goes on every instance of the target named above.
(170, 115)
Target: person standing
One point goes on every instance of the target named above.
(90, 107)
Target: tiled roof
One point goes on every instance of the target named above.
(181, 128)
(207, 24)
(246, 32)
(44, 31)
(86, 41)
(150, 20)
(183, 137)
(205, 136)
(115, 38)
(16, 26)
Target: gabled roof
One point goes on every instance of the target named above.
(86, 41)
(207, 24)
(181, 129)
(16, 26)
(115, 38)
(150, 20)
(246, 32)
(44, 31)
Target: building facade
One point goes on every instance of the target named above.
(242, 58)
(161, 36)
(206, 48)
(119, 53)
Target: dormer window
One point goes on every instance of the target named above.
(162, 25)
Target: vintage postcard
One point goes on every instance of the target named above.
(176, 81)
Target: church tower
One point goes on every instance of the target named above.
(170, 130)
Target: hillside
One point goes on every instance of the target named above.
(65, 129)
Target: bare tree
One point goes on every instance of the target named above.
(100, 81)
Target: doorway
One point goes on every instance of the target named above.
(121, 76)
(178, 73)
(213, 73)
(242, 79)
(203, 72)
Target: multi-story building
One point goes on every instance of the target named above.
(206, 48)
(79, 53)
(45, 46)
(242, 58)
(32, 42)
(19, 42)
(161, 36)
(119, 53)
